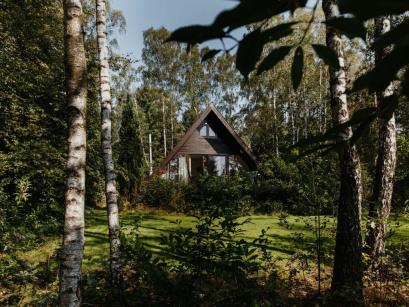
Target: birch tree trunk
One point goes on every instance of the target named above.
(348, 272)
(380, 205)
(76, 90)
(165, 150)
(276, 141)
(106, 142)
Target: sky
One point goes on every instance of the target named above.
(143, 14)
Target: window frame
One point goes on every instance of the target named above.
(207, 136)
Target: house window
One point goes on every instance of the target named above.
(216, 165)
(206, 131)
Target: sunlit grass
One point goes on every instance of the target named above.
(287, 236)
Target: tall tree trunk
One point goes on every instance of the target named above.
(76, 91)
(106, 142)
(165, 149)
(320, 101)
(347, 274)
(381, 200)
(140, 134)
(291, 105)
(172, 128)
(275, 127)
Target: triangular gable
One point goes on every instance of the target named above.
(245, 152)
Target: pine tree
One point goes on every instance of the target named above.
(131, 163)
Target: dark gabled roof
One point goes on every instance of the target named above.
(217, 118)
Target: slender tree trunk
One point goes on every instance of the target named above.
(150, 155)
(76, 90)
(140, 134)
(172, 128)
(348, 272)
(306, 113)
(106, 142)
(165, 149)
(320, 101)
(292, 120)
(380, 205)
(276, 142)
(325, 107)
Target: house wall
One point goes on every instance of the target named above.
(199, 145)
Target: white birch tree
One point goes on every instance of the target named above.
(76, 95)
(106, 142)
(348, 271)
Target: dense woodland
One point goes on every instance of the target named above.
(332, 146)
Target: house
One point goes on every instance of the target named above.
(210, 146)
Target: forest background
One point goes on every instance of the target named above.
(162, 93)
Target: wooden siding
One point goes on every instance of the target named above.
(198, 145)
(227, 142)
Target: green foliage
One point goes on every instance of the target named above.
(219, 194)
(205, 264)
(32, 120)
(214, 266)
(401, 193)
(256, 17)
(280, 187)
(15, 274)
(287, 186)
(164, 194)
(131, 164)
(33, 128)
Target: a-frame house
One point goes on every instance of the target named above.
(210, 146)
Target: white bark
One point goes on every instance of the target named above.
(106, 142)
(140, 134)
(172, 125)
(276, 144)
(150, 154)
(381, 201)
(347, 272)
(76, 91)
(165, 150)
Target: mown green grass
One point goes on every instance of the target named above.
(287, 236)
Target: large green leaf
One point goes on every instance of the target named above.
(196, 34)
(327, 55)
(273, 58)
(297, 67)
(394, 36)
(360, 121)
(366, 9)
(388, 106)
(251, 11)
(277, 32)
(351, 27)
(405, 84)
(385, 71)
(249, 52)
(210, 54)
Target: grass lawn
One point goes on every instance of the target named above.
(287, 236)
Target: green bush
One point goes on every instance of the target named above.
(206, 265)
(212, 194)
(278, 187)
(164, 194)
